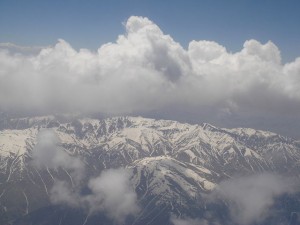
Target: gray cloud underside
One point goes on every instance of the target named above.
(146, 71)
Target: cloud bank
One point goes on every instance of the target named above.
(147, 71)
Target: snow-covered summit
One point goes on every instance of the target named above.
(172, 163)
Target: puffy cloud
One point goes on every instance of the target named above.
(268, 52)
(146, 71)
(250, 198)
(205, 51)
(291, 79)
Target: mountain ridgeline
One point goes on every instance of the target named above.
(160, 171)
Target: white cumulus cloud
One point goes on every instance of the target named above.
(146, 71)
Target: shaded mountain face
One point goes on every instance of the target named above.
(62, 170)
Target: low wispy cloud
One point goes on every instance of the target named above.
(18, 49)
(188, 221)
(251, 198)
(177, 221)
(49, 153)
(62, 193)
(111, 192)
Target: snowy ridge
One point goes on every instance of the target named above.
(172, 163)
(131, 138)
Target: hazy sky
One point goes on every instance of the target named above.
(88, 24)
(230, 63)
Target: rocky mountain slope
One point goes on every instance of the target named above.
(172, 165)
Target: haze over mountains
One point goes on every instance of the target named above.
(133, 170)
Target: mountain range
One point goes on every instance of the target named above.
(66, 169)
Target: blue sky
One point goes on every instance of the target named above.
(88, 24)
